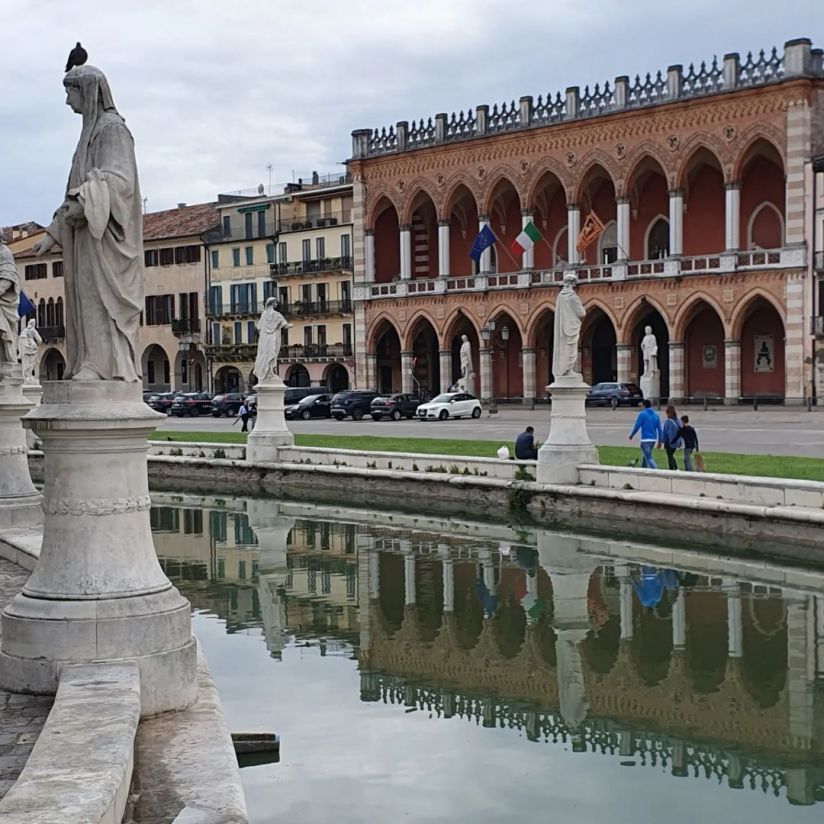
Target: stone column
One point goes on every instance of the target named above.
(732, 217)
(573, 228)
(406, 252)
(371, 371)
(625, 603)
(445, 362)
(369, 274)
(735, 626)
(528, 369)
(374, 570)
(676, 222)
(270, 432)
(796, 328)
(443, 248)
(98, 592)
(622, 228)
(677, 390)
(800, 667)
(485, 264)
(448, 583)
(799, 120)
(410, 594)
(679, 620)
(486, 373)
(732, 371)
(407, 384)
(528, 258)
(624, 362)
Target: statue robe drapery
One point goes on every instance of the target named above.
(102, 255)
(9, 303)
(268, 348)
(569, 313)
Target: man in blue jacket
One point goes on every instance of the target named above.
(649, 424)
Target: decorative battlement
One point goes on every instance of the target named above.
(798, 59)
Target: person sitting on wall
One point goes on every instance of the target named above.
(525, 447)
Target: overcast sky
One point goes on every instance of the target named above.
(216, 91)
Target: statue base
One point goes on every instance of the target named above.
(20, 502)
(568, 445)
(97, 592)
(651, 387)
(34, 394)
(270, 430)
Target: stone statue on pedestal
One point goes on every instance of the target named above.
(99, 225)
(29, 341)
(467, 381)
(569, 315)
(269, 326)
(9, 304)
(650, 379)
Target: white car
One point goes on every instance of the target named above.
(450, 405)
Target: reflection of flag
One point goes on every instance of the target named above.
(526, 240)
(484, 240)
(591, 229)
(26, 307)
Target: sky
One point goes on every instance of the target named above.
(217, 92)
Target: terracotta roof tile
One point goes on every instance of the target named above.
(180, 222)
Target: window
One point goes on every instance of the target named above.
(215, 259)
(268, 289)
(250, 255)
(306, 293)
(608, 244)
(227, 226)
(346, 292)
(187, 254)
(313, 212)
(238, 332)
(282, 255)
(57, 269)
(50, 312)
(150, 257)
(261, 223)
(215, 300)
(248, 217)
(321, 336)
(166, 256)
(307, 335)
(35, 271)
(320, 248)
(236, 257)
(307, 251)
(41, 313)
(270, 252)
(244, 297)
(58, 312)
(322, 294)
(187, 304)
(284, 338)
(215, 334)
(251, 332)
(658, 240)
(241, 569)
(345, 246)
(159, 309)
(347, 334)
(283, 295)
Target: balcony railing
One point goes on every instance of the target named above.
(185, 326)
(320, 307)
(231, 352)
(316, 351)
(295, 224)
(230, 309)
(819, 262)
(309, 267)
(50, 333)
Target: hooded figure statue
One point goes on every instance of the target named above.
(100, 228)
(270, 325)
(9, 303)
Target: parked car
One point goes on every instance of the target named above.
(192, 404)
(312, 406)
(162, 401)
(450, 405)
(614, 394)
(147, 396)
(394, 406)
(295, 394)
(354, 402)
(227, 404)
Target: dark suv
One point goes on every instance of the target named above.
(614, 394)
(193, 404)
(162, 401)
(354, 402)
(295, 394)
(394, 406)
(227, 404)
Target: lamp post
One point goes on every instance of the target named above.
(494, 337)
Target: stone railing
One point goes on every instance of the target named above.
(723, 263)
(798, 59)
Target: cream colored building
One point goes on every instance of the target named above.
(296, 247)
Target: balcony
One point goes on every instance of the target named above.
(232, 352)
(185, 326)
(311, 267)
(52, 333)
(720, 264)
(322, 307)
(303, 224)
(316, 352)
(819, 262)
(228, 310)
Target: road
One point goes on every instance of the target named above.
(777, 431)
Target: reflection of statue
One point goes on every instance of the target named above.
(269, 328)
(29, 341)
(467, 381)
(9, 303)
(100, 227)
(569, 313)
(572, 693)
(649, 350)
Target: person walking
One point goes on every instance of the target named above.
(672, 440)
(649, 424)
(243, 414)
(525, 448)
(690, 437)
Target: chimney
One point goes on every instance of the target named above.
(181, 205)
(315, 178)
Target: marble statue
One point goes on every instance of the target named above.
(9, 304)
(29, 341)
(569, 314)
(467, 381)
(269, 326)
(649, 350)
(99, 226)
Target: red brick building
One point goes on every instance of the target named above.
(703, 179)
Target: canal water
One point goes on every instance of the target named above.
(432, 670)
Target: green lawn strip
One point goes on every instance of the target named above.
(774, 466)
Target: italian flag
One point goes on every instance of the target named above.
(526, 240)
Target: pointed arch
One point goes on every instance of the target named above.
(687, 312)
(533, 185)
(767, 205)
(381, 199)
(713, 147)
(634, 312)
(454, 319)
(502, 309)
(453, 191)
(499, 175)
(535, 320)
(651, 227)
(760, 132)
(741, 309)
(412, 329)
(377, 328)
(594, 160)
(413, 200)
(639, 161)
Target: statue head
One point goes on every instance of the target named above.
(465, 338)
(88, 92)
(570, 279)
(31, 323)
(271, 303)
(647, 330)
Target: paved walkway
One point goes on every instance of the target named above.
(21, 716)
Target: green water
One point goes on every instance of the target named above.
(421, 670)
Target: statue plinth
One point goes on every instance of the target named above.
(270, 430)
(651, 386)
(97, 592)
(19, 500)
(568, 444)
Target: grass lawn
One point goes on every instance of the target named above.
(775, 466)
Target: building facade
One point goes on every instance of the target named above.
(295, 247)
(702, 178)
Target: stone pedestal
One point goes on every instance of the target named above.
(568, 444)
(270, 430)
(651, 386)
(19, 500)
(33, 393)
(98, 592)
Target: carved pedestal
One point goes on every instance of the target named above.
(270, 430)
(98, 592)
(33, 393)
(19, 500)
(568, 444)
(651, 386)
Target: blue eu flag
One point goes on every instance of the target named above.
(484, 240)
(26, 307)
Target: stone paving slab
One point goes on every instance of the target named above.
(21, 716)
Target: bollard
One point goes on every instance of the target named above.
(706, 403)
(809, 404)
(755, 404)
